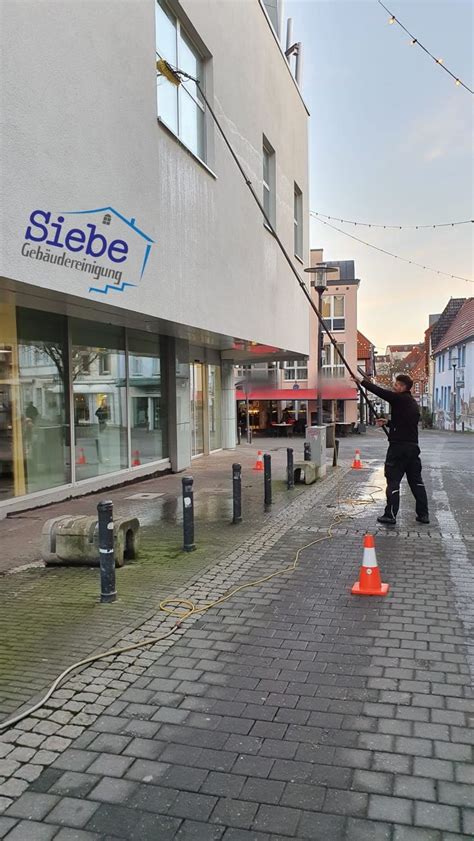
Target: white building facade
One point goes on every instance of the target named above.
(453, 363)
(135, 269)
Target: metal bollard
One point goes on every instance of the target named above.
(336, 452)
(307, 451)
(105, 516)
(188, 514)
(290, 470)
(237, 493)
(267, 476)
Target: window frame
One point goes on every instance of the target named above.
(298, 222)
(182, 91)
(335, 323)
(292, 370)
(269, 187)
(334, 368)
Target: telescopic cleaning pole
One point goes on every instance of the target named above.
(174, 76)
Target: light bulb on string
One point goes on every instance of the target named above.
(413, 42)
(458, 82)
(392, 19)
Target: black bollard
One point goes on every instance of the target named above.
(237, 493)
(290, 470)
(267, 468)
(105, 516)
(336, 452)
(307, 451)
(188, 514)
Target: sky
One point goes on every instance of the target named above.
(391, 142)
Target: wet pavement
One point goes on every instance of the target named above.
(50, 617)
(293, 710)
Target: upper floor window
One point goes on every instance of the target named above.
(334, 312)
(298, 222)
(180, 108)
(269, 178)
(296, 370)
(333, 365)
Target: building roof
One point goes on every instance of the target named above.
(401, 348)
(461, 328)
(413, 358)
(445, 320)
(364, 346)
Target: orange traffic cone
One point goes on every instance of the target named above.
(356, 464)
(82, 457)
(136, 458)
(259, 463)
(369, 583)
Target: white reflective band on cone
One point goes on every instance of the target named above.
(369, 559)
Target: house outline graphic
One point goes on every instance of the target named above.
(130, 224)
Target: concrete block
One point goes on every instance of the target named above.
(75, 540)
(307, 472)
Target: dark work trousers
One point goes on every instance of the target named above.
(404, 459)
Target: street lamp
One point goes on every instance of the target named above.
(321, 272)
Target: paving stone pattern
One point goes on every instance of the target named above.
(294, 710)
(51, 617)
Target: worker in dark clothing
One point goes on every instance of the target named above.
(403, 454)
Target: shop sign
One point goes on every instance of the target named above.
(107, 249)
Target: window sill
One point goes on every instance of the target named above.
(192, 154)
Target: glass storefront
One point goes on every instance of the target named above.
(100, 398)
(34, 418)
(197, 408)
(104, 380)
(215, 402)
(148, 408)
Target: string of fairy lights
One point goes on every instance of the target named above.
(390, 227)
(389, 253)
(415, 42)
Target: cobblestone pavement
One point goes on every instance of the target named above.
(51, 617)
(294, 710)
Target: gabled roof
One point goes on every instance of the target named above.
(400, 348)
(445, 320)
(364, 346)
(461, 328)
(414, 357)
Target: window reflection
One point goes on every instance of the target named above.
(148, 405)
(34, 421)
(99, 388)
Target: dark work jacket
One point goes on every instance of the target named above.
(405, 414)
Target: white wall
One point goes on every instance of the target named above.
(465, 407)
(80, 131)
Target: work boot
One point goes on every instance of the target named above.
(387, 520)
(423, 519)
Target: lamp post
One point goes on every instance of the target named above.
(321, 272)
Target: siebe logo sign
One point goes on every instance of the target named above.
(107, 249)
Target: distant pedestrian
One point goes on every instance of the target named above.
(403, 454)
(31, 411)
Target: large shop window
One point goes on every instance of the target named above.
(215, 437)
(100, 399)
(180, 108)
(34, 421)
(148, 405)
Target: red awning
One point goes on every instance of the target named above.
(330, 392)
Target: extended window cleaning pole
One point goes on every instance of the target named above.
(174, 76)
